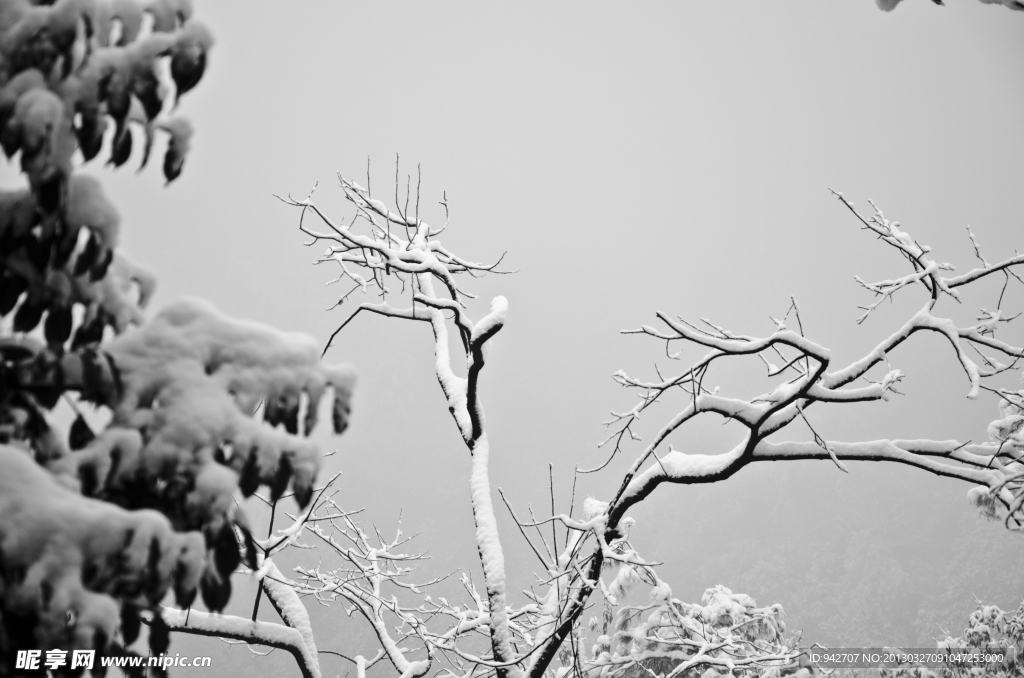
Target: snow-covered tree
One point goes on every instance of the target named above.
(137, 500)
(399, 257)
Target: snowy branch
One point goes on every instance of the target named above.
(230, 627)
(407, 248)
(727, 633)
(805, 377)
(809, 379)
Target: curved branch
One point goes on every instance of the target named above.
(279, 636)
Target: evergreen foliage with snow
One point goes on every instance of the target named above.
(98, 526)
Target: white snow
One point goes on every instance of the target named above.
(287, 603)
(238, 628)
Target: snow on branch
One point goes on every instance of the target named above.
(727, 634)
(183, 390)
(78, 565)
(229, 627)
(368, 574)
(365, 568)
(808, 378)
(803, 376)
(192, 378)
(381, 248)
(666, 637)
(394, 246)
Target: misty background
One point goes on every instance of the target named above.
(629, 159)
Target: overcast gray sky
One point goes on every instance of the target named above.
(629, 158)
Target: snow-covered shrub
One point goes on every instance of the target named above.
(989, 631)
(726, 633)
